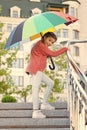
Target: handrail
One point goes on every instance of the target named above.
(77, 96)
(79, 86)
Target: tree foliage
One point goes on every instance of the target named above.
(24, 92)
(7, 86)
(6, 58)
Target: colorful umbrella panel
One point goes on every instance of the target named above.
(38, 24)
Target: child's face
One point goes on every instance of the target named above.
(49, 41)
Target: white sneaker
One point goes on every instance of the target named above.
(38, 114)
(47, 106)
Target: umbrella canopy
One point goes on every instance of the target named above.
(38, 24)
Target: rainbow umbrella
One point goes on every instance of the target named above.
(37, 24)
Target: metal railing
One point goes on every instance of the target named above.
(77, 96)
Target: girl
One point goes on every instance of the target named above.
(37, 63)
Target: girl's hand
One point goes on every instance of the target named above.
(66, 49)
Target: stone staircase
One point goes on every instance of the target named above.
(17, 116)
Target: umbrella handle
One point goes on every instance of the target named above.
(53, 66)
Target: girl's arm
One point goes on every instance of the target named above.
(49, 52)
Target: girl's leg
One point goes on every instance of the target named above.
(36, 80)
(50, 83)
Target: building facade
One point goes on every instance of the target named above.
(83, 33)
(14, 12)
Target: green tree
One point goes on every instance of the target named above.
(7, 86)
(24, 92)
(6, 58)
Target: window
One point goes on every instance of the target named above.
(15, 12)
(58, 33)
(76, 50)
(35, 11)
(19, 63)
(9, 28)
(21, 81)
(65, 33)
(18, 80)
(75, 34)
(72, 11)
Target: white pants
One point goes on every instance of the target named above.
(36, 80)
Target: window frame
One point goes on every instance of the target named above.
(65, 33)
(18, 80)
(76, 50)
(19, 63)
(75, 34)
(15, 9)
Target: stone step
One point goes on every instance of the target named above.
(36, 129)
(28, 106)
(28, 113)
(17, 116)
(34, 123)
